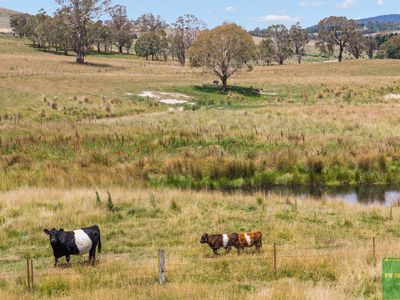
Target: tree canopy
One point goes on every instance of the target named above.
(338, 31)
(223, 51)
(78, 15)
(391, 48)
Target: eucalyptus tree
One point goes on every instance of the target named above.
(78, 15)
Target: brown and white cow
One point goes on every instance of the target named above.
(250, 239)
(217, 241)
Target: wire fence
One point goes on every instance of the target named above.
(154, 270)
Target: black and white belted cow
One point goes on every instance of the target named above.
(77, 242)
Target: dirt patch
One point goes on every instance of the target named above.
(392, 97)
(167, 98)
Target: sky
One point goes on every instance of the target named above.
(247, 13)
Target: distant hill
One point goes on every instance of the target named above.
(375, 24)
(5, 19)
(381, 19)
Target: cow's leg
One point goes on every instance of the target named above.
(228, 249)
(68, 258)
(258, 246)
(92, 255)
(238, 250)
(55, 261)
(215, 250)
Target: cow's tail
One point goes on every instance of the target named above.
(99, 246)
(259, 237)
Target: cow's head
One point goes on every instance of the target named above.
(53, 234)
(204, 239)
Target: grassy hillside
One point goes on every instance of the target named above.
(306, 126)
(5, 19)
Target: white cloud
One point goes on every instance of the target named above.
(311, 3)
(380, 2)
(230, 8)
(277, 19)
(346, 3)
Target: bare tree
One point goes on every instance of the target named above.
(186, 29)
(370, 46)
(79, 13)
(336, 31)
(299, 37)
(150, 23)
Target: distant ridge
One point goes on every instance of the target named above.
(5, 19)
(378, 20)
(384, 19)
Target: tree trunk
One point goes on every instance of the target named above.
(340, 57)
(224, 80)
(98, 48)
(105, 48)
(80, 57)
(120, 49)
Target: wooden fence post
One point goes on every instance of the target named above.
(274, 258)
(32, 283)
(28, 274)
(161, 254)
(374, 250)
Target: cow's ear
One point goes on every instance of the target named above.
(46, 231)
(61, 230)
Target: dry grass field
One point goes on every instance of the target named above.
(324, 248)
(67, 130)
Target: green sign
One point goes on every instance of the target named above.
(391, 278)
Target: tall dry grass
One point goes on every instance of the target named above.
(324, 248)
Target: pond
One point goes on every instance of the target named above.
(366, 194)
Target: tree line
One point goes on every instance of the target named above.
(221, 51)
(333, 34)
(76, 26)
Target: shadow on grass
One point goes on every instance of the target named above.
(215, 89)
(50, 51)
(91, 64)
(87, 54)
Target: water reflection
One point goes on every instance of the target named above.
(385, 195)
